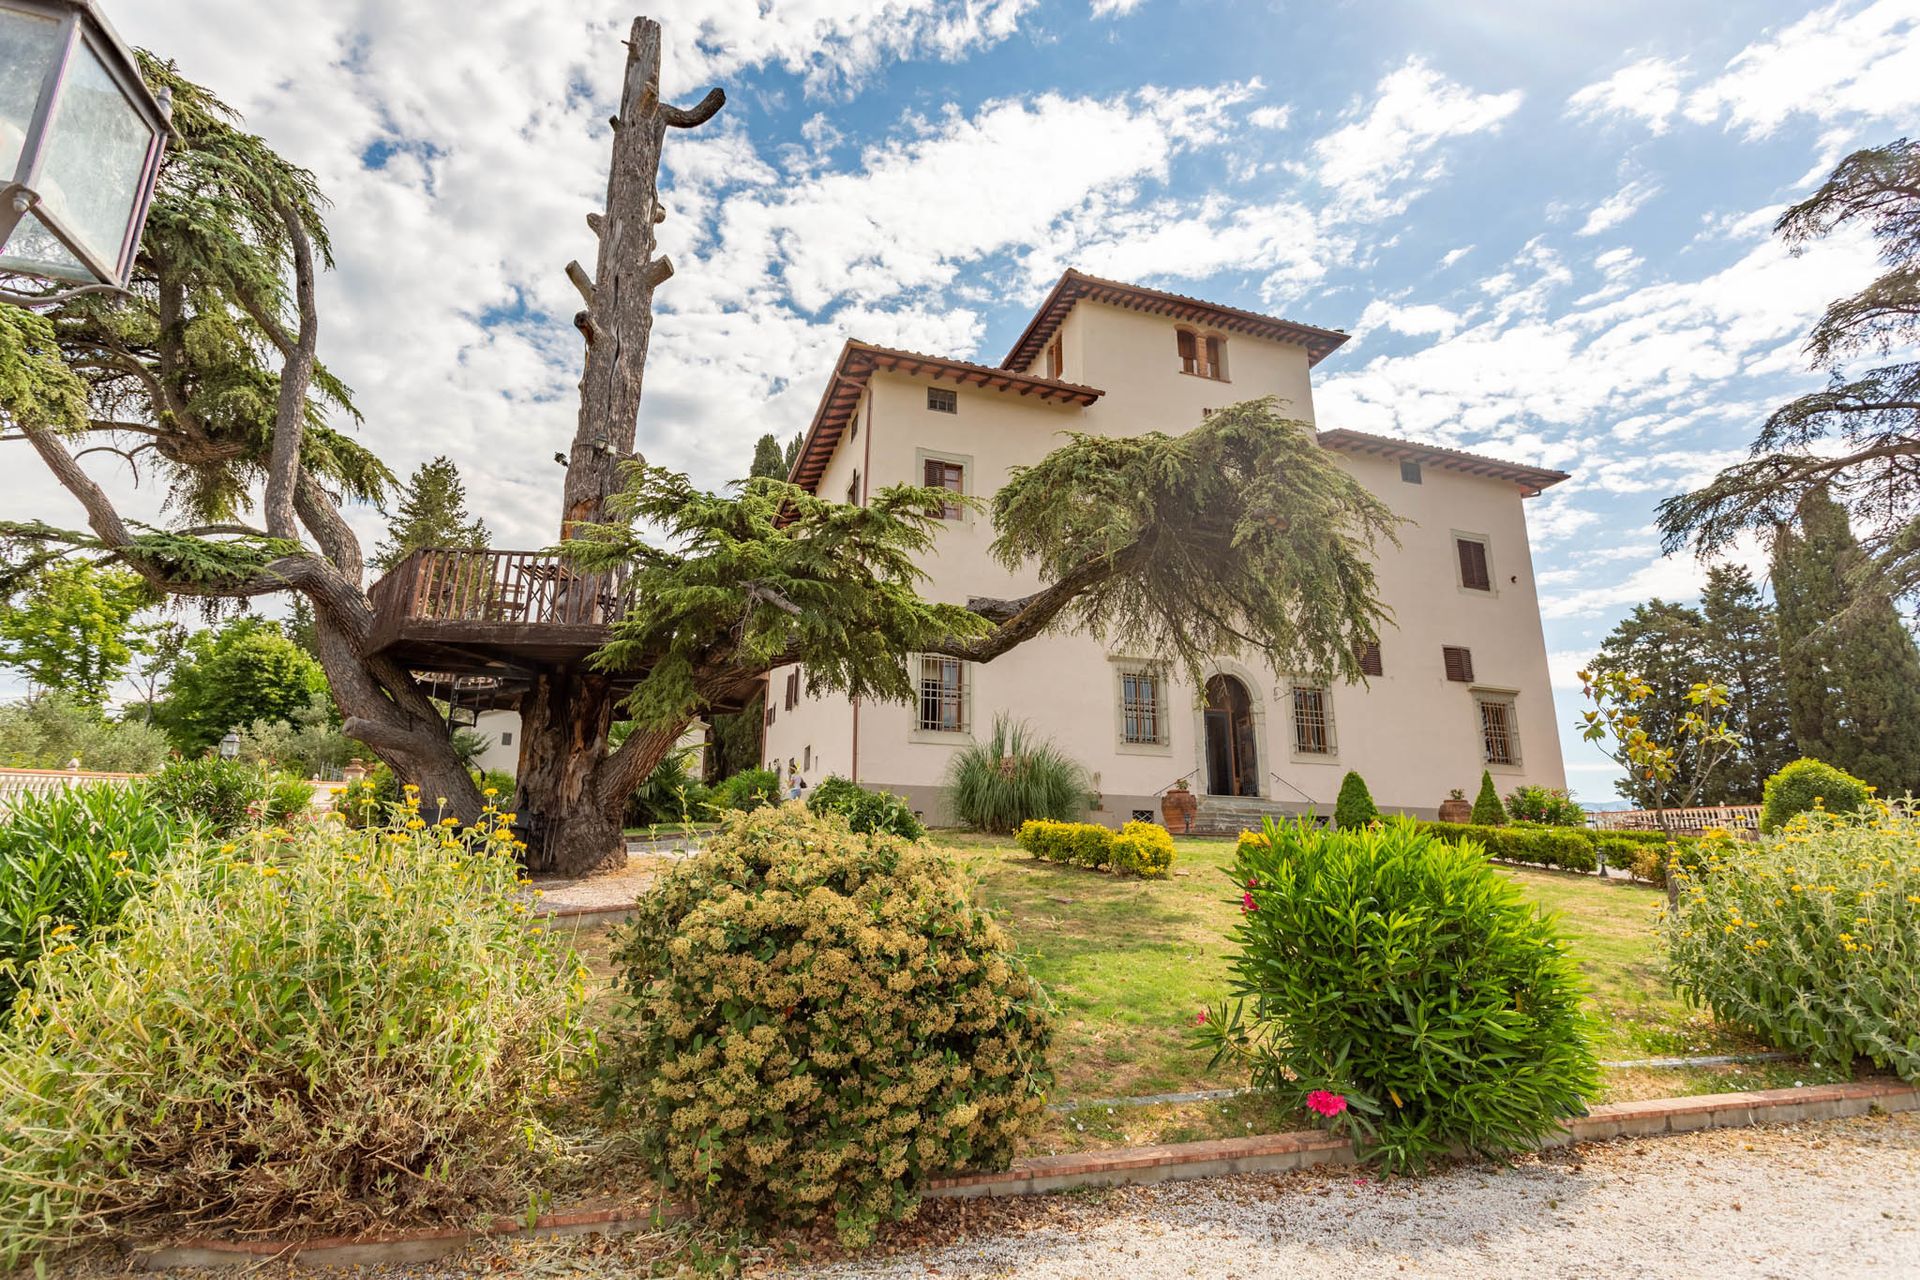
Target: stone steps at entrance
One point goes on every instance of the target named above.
(1230, 815)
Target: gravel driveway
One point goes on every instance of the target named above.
(1840, 1198)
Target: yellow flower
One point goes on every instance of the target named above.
(61, 931)
(490, 792)
(118, 855)
(414, 824)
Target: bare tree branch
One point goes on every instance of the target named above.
(296, 375)
(699, 113)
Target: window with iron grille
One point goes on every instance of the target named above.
(1368, 655)
(1473, 564)
(939, 473)
(1458, 662)
(943, 695)
(1499, 730)
(1410, 472)
(1142, 717)
(943, 400)
(1312, 721)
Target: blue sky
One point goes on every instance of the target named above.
(1546, 225)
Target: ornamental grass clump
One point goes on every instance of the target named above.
(818, 1022)
(1810, 938)
(296, 1032)
(1399, 973)
(1013, 777)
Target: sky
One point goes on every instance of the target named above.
(1546, 225)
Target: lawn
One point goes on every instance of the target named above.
(1128, 963)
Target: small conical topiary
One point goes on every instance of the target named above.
(1355, 806)
(1487, 809)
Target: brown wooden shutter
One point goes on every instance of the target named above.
(1473, 564)
(1459, 663)
(1369, 656)
(1189, 352)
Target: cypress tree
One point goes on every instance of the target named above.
(433, 513)
(1743, 652)
(768, 462)
(1852, 671)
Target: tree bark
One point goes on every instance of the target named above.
(569, 791)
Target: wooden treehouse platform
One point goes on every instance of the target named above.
(485, 622)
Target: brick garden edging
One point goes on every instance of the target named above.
(1265, 1153)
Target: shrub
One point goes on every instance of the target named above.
(746, 791)
(1570, 848)
(1547, 806)
(369, 801)
(1810, 939)
(48, 731)
(1487, 809)
(500, 782)
(1354, 807)
(1013, 777)
(866, 810)
(819, 1022)
(225, 795)
(1143, 849)
(672, 793)
(1402, 973)
(316, 1031)
(1804, 785)
(69, 861)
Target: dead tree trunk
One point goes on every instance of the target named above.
(570, 791)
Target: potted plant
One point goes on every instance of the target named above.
(1178, 806)
(1456, 808)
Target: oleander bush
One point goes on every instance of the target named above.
(228, 795)
(817, 1022)
(1548, 806)
(1806, 785)
(866, 810)
(1012, 777)
(1354, 806)
(1811, 938)
(69, 862)
(310, 1030)
(1394, 979)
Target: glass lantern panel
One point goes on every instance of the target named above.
(34, 250)
(29, 42)
(96, 156)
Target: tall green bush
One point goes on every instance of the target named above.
(1548, 806)
(746, 791)
(671, 793)
(1013, 777)
(1806, 784)
(316, 1032)
(865, 810)
(69, 862)
(1402, 974)
(1487, 809)
(1810, 939)
(227, 795)
(1354, 807)
(876, 1028)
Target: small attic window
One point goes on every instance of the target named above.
(943, 400)
(1410, 472)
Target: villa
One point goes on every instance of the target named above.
(1458, 684)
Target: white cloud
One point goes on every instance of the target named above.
(1269, 117)
(1844, 60)
(1418, 320)
(1373, 162)
(1115, 8)
(1648, 90)
(1454, 255)
(1618, 207)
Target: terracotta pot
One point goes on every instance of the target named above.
(1456, 811)
(1177, 808)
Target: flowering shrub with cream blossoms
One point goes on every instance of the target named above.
(818, 1022)
(305, 1030)
(1811, 937)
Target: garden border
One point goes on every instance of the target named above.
(1260, 1154)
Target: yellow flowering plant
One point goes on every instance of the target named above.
(308, 1030)
(817, 1021)
(1811, 937)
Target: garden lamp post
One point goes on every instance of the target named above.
(80, 143)
(230, 745)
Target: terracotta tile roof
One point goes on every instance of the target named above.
(1075, 285)
(1530, 479)
(857, 362)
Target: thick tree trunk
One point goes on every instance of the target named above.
(564, 719)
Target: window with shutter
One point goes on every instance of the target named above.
(1473, 564)
(1189, 351)
(1459, 663)
(1410, 472)
(1369, 658)
(941, 474)
(1216, 364)
(1055, 362)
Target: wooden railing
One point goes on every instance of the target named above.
(514, 587)
(1737, 818)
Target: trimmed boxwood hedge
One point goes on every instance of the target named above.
(1569, 848)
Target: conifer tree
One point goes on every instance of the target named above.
(769, 463)
(1354, 807)
(1852, 671)
(433, 513)
(1743, 653)
(1487, 809)
(792, 453)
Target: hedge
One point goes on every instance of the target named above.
(1138, 849)
(1569, 848)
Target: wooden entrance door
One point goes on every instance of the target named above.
(1233, 758)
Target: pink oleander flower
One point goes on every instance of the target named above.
(1200, 1018)
(1247, 904)
(1326, 1104)
(1253, 882)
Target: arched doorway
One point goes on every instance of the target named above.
(1233, 759)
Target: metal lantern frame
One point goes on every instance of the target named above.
(82, 27)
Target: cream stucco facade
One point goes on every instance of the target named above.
(1424, 725)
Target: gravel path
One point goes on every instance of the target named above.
(1827, 1200)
